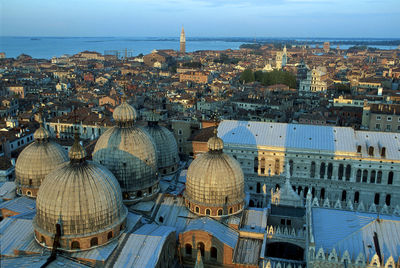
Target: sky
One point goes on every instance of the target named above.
(201, 18)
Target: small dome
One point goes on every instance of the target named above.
(130, 154)
(36, 161)
(85, 199)
(215, 183)
(124, 113)
(215, 143)
(77, 152)
(167, 148)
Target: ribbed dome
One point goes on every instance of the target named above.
(167, 149)
(124, 114)
(129, 152)
(36, 161)
(215, 181)
(215, 143)
(85, 199)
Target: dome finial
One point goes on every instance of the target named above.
(124, 114)
(41, 134)
(215, 144)
(77, 152)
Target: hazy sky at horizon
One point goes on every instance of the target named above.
(249, 18)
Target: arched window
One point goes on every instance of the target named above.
(371, 150)
(322, 193)
(387, 200)
(312, 170)
(356, 197)
(305, 192)
(208, 211)
(343, 195)
(258, 187)
(188, 249)
(219, 212)
(383, 152)
(255, 164)
(313, 192)
(330, 170)
(359, 149)
(358, 175)
(230, 210)
(348, 172)
(197, 209)
(299, 190)
(341, 171)
(29, 193)
(75, 245)
(365, 176)
(214, 253)
(200, 246)
(376, 199)
(322, 170)
(109, 235)
(94, 242)
(251, 203)
(390, 177)
(379, 177)
(372, 176)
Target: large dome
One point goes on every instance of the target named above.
(36, 161)
(215, 183)
(167, 149)
(129, 152)
(85, 199)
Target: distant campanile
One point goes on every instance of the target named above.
(183, 42)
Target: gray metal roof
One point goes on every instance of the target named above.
(218, 230)
(354, 231)
(254, 220)
(298, 136)
(143, 247)
(19, 205)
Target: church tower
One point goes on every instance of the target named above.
(182, 42)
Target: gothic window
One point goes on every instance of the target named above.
(341, 170)
(390, 177)
(344, 195)
(358, 175)
(379, 177)
(291, 167)
(330, 169)
(322, 170)
(376, 199)
(372, 177)
(387, 200)
(258, 187)
(322, 194)
(365, 176)
(356, 197)
(312, 170)
(371, 150)
(348, 172)
(255, 164)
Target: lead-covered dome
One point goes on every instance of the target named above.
(166, 146)
(215, 183)
(36, 161)
(85, 199)
(129, 153)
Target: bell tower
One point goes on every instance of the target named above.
(182, 49)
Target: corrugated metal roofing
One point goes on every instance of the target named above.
(143, 247)
(99, 254)
(299, 136)
(38, 261)
(354, 231)
(20, 205)
(222, 232)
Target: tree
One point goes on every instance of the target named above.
(247, 76)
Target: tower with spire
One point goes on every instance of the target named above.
(182, 49)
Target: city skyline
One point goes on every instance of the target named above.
(205, 18)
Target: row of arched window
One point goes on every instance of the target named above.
(374, 177)
(200, 246)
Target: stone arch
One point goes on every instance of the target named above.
(197, 209)
(219, 212)
(75, 245)
(208, 211)
(94, 242)
(188, 249)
